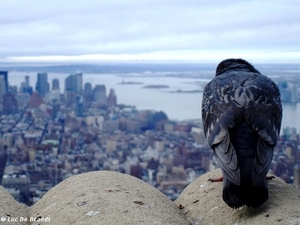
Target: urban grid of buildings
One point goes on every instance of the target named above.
(48, 136)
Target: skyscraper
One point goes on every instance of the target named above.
(55, 84)
(79, 106)
(78, 85)
(73, 87)
(74, 83)
(26, 88)
(5, 78)
(2, 89)
(3, 159)
(27, 82)
(112, 98)
(42, 85)
(87, 94)
(55, 109)
(70, 94)
(99, 93)
(10, 104)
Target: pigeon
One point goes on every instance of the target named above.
(241, 116)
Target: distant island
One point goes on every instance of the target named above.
(156, 86)
(130, 83)
(186, 91)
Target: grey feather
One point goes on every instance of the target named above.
(239, 97)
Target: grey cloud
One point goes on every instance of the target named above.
(57, 27)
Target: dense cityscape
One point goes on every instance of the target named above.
(49, 133)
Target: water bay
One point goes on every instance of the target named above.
(178, 105)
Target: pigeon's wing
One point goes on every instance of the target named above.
(219, 113)
(229, 99)
(264, 114)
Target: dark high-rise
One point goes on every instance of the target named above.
(73, 87)
(55, 84)
(74, 83)
(4, 75)
(42, 85)
(112, 98)
(99, 93)
(26, 88)
(3, 159)
(87, 94)
(10, 104)
(55, 109)
(79, 84)
(79, 106)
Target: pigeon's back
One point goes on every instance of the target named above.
(241, 113)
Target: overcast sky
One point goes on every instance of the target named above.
(138, 30)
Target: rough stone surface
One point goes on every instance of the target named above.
(202, 203)
(111, 198)
(10, 209)
(106, 198)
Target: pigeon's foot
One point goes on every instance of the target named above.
(219, 179)
(270, 177)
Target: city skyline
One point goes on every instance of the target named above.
(149, 31)
(82, 127)
(186, 107)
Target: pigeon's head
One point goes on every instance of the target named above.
(234, 65)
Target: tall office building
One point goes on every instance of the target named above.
(10, 104)
(55, 109)
(99, 93)
(78, 84)
(79, 106)
(112, 98)
(70, 94)
(2, 88)
(73, 87)
(294, 93)
(4, 74)
(27, 81)
(55, 84)
(25, 87)
(3, 159)
(74, 83)
(87, 94)
(70, 83)
(42, 85)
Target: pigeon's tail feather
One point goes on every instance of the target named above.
(251, 191)
(236, 196)
(246, 193)
(255, 196)
(232, 194)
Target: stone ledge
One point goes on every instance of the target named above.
(10, 208)
(104, 197)
(202, 203)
